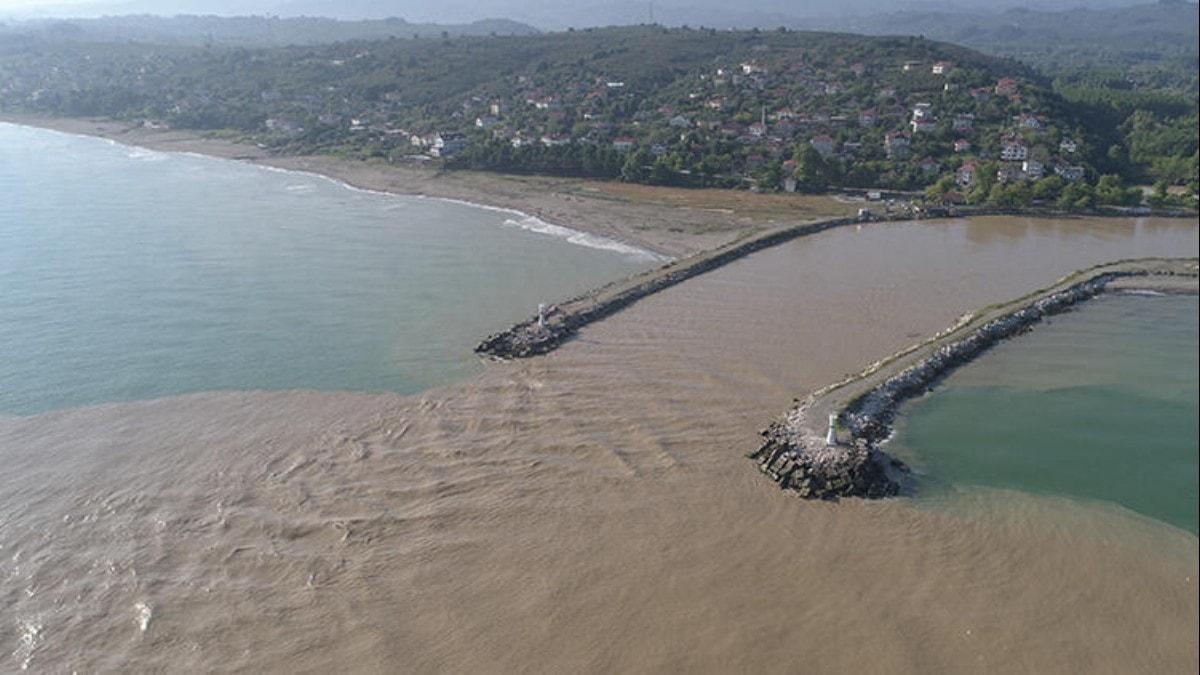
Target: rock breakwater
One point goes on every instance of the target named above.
(796, 452)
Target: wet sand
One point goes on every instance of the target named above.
(591, 510)
(669, 221)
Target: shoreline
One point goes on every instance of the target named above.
(668, 222)
(828, 445)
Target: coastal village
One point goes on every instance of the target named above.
(892, 114)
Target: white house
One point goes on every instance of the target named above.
(1068, 145)
(1014, 151)
(445, 145)
(1033, 169)
(923, 125)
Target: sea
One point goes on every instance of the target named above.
(242, 431)
(130, 274)
(1097, 404)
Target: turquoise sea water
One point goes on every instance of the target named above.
(1098, 404)
(131, 274)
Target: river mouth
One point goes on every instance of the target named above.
(589, 510)
(1099, 404)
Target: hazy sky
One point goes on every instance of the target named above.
(543, 13)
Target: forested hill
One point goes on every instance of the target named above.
(247, 31)
(1153, 41)
(773, 109)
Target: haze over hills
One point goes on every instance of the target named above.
(262, 31)
(544, 14)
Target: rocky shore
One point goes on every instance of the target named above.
(796, 452)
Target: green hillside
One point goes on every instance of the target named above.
(770, 110)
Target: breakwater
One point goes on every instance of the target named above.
(827, 446)
(563, 320)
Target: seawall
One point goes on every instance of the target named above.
(796, 452)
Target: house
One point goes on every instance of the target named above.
(910, 66)
(1008, 173)
(758, 129)
(965, 174)
(962, 145)
(867, 118)
(623, 143)
(1030, 122)
(679, 122)
(850, 148)
(445, 145)
(1014, 150)
(1005, 86)
(981, 95)
(284, 126)
(896, 144)
(486, 121)
(923, 125)
(554, 140)
(1068, 172)
(753, 68)
(963, 122)
(823, 144)
(929, 165)
(922, 111)
(942, 68)
(497, 108)
(1068, 145)
(658, 149)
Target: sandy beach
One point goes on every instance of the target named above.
(591, 510)
(669, 221)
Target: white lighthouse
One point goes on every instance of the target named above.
(831, 434)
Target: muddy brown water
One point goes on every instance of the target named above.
(590, 511)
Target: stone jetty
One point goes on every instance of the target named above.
(796, 452)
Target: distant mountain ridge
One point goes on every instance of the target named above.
(260, 31)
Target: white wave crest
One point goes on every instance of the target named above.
(534, 224)
(144, 155)
(28, 638)
(144, 613)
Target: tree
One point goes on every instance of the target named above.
(811, 173)
(1048, 189)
